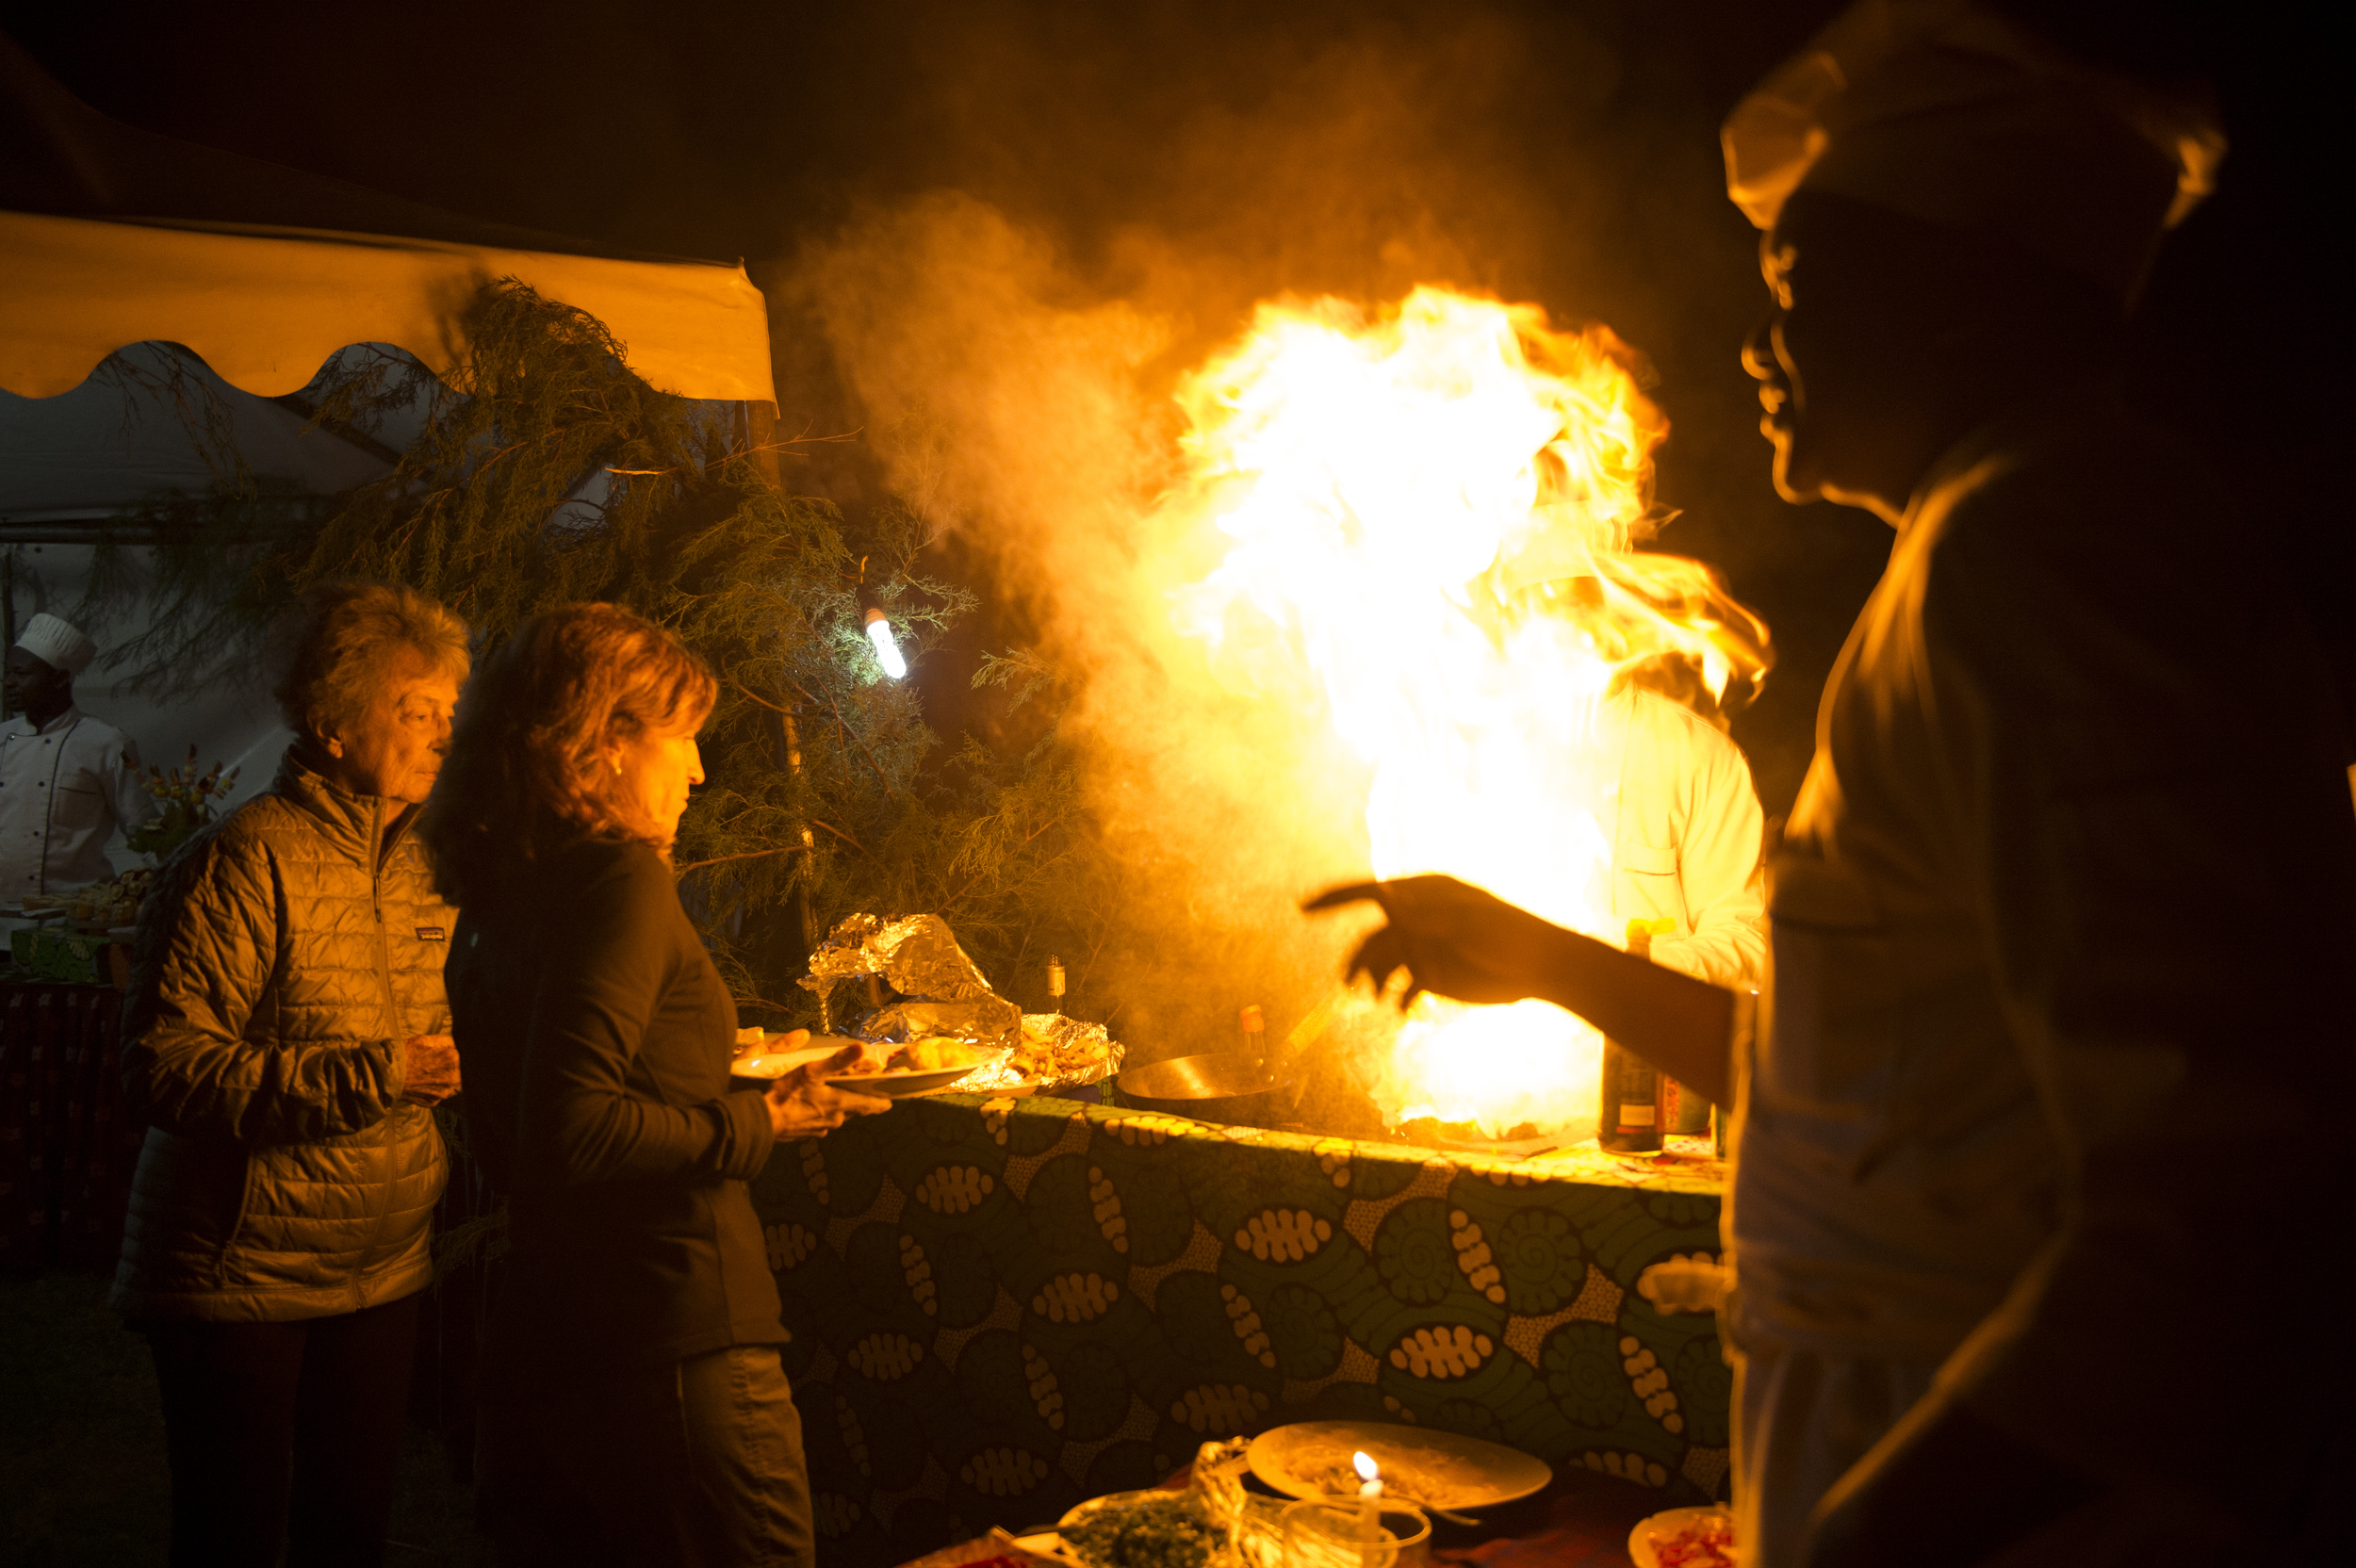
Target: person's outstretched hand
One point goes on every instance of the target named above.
(1457, 940)
(1451, 938)
(803, 1105)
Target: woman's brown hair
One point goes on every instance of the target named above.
(529, 770)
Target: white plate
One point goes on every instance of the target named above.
(1311, 1459)
(757, 1063)
(1644, 1541)
(1047, 1543)
(897, 1085)
(905, 1081)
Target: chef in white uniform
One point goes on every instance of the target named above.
(1687, 849)
(2073, 844)
(2044, 1128)
(67, 780)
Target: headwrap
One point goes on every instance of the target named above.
(57, 644)
(1949, 114)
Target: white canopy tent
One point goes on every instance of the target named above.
(118, 241)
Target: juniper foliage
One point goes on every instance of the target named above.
(546, 473)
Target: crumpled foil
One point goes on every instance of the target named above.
(942, 995)
(1055, 1053)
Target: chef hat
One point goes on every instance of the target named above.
(57, 645)
(1948, 114)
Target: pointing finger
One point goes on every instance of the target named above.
(1334, 898)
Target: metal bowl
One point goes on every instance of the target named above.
(1215, 1088)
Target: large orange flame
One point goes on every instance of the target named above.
(1433, 507)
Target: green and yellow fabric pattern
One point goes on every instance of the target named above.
(1000, 1307)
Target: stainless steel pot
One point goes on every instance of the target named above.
(1215, 1088)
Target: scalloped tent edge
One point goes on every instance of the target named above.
(265, 307)
(111, 235)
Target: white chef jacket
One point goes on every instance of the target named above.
(1686, 842)
(2058, 1034)
(64, 787)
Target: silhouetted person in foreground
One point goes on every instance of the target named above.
(2061, 914)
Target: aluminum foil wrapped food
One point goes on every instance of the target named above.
(1055, 1053)
(942, 995)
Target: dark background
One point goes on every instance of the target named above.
(1563, 153)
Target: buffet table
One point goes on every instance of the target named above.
(1002, 1306)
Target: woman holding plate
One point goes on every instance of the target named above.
(634, 1408)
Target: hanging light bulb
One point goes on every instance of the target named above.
(887, 651)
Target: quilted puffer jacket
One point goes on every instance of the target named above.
(282, 958)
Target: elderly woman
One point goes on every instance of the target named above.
(285, 1031)
(635, 1410)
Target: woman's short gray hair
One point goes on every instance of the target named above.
(341, 643)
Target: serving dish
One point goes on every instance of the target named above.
(1646, 1542)
(1437, 1469)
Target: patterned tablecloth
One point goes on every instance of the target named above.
(1002, 1306)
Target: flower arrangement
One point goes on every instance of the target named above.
(188, 798)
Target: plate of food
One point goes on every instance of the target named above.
(919, 1067)
(760, 1054)
(1441, 1470)
(757, 1063)
(1138, 1529)
(1684, 1537)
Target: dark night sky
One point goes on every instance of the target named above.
(1563, 153)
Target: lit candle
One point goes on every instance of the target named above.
(1369, 1499)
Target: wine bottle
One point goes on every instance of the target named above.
(1628, 1117)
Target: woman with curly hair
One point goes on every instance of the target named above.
(634, 1408)
(285, 1032)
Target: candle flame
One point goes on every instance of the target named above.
(1367, 1469)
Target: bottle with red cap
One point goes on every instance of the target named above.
(1255, 1037)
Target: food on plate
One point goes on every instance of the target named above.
(1707, 1542)
(1056, 1048)
(1164, 1531)
(931, 1055)
(113, 902)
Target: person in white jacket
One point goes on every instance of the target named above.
(1687, 846)
(67, 780)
